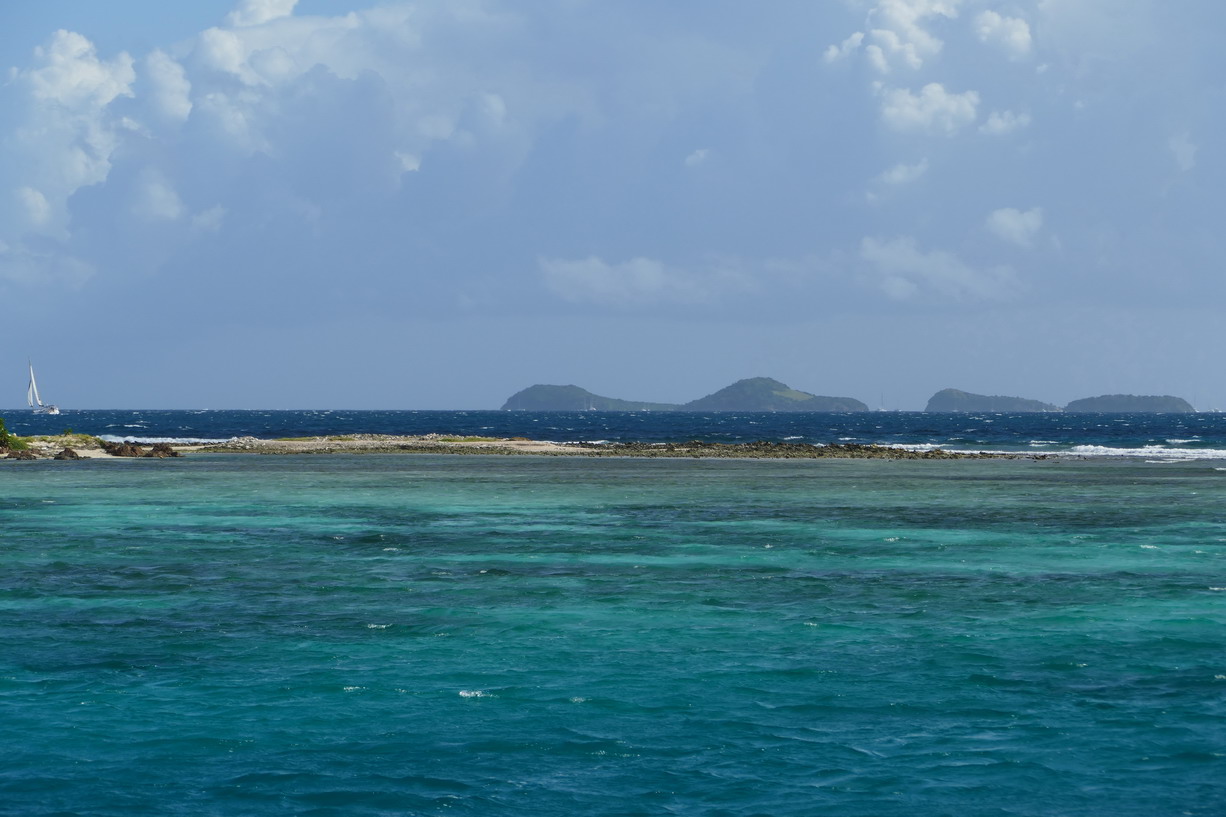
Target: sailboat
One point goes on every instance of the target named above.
(35, 401)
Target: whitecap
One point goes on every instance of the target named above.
(473, 693)
(377, 626)
(1151, 451)
(112, 438)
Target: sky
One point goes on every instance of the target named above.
(432, 205)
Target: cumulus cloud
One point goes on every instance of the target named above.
(899, 35)
(1000, 123)
(933, 109)
(637, 282)
(1011, 34)
(1015, 226)
(156, 198)
(903, 173)
(258, 12)
(171, 90)
(901, 270)
(844, 49)
(67, 140)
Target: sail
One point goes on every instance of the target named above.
(32, 392)
(33, 398)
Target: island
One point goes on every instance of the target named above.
(766, 394)
(955, 400)
(751, 394)
(1131, 404)
(573, 398)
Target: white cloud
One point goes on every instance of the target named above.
(1184, 151)
(258, 12)
(843, 50)
(171, 89)
(898, 33)
(900, 269)
(1000, 123)
(1012, 34)
(35, 204)
(934, 109)
(637, 282)
(70, 133)
(210, 220)
(72, 75)
(156, 199)
(1015, 226)
(903, 173)
(409, 162)
(697, 157)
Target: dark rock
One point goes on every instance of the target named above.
(162, 450)
(68, 454)
(122, 449)
(21, 455)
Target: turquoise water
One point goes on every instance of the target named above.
(502, 636)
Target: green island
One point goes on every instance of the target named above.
(751, 394)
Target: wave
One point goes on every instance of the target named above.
(112, 438)
(1151, 451)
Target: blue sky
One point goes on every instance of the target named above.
(337, 204)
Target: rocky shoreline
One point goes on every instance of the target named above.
(74, 447)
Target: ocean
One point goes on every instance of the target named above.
(409, 634)
(1177, 436)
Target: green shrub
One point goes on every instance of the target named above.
(10, 442)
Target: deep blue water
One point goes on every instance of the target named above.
(398, 634)
(1183, 435)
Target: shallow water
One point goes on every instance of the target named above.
(471, 635)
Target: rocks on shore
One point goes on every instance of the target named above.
(159, 450)
(68, 454)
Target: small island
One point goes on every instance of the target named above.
(751, 394)
(955, 400)
(1131, 404)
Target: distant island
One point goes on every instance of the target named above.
(752, 394)
(1131, 403)
(572, 398)
(954, 400)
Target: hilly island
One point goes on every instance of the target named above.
(752, 394)
(767, 394)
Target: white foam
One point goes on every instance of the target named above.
(111, 438)
(473, 693)
(1151, 451)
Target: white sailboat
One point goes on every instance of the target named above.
(36, 402)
